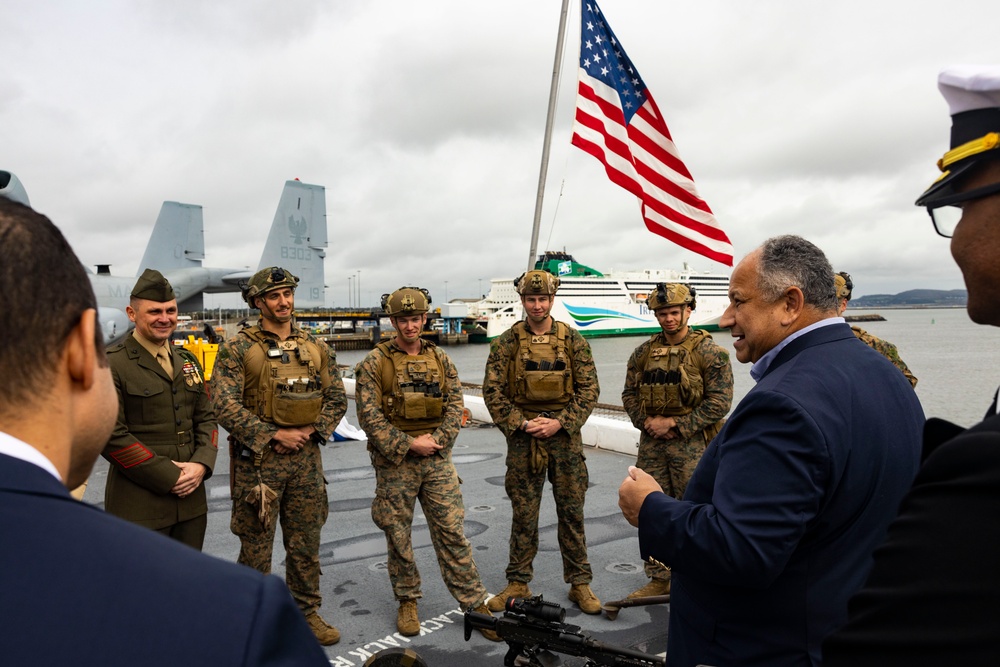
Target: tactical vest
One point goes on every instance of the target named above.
(283, 383)
(542, 373)
(414, 387)
(671, 382)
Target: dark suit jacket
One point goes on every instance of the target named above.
(81, 587)
(161, 419)
(933, 597)
(778, 524)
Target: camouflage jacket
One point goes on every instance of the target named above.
(887, 350)
(226, 390)
(384, 438)
(716, 373)
(497, 395)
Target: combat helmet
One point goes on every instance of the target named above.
(536, 282)
(844, 285)
(406, 301)
(671, 294)
(266, 280)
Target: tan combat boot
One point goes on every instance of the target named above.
(407, 622)
(326, 634)
(489, 634)
(654, 587)
(514, 589)
(585, 598)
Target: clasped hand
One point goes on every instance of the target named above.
(424, 445)
(658, 426)
(291, 439)
(542, 427)
(192, 473)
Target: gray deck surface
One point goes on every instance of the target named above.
(357, 597)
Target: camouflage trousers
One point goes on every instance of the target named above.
(567, 472)
(301, 506)
(671, 463)
(435, 482)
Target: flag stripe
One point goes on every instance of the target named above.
(618, 122)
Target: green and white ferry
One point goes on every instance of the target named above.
(603, 304)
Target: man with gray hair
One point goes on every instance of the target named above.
(777, 526)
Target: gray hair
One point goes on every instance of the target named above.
(791, 261)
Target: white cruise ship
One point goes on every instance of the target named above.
(598, 304)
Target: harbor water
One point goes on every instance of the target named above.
(956, 360)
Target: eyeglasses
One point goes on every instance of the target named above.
(947, 212)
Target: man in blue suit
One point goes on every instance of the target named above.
(778, 524)
(78, 586)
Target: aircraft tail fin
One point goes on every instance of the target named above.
(178, 238)
(298, 241)
(11, 188)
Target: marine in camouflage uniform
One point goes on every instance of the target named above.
(276, 427)
(844, 288)
(165, 440)
(409, 402)
(695, 373)
(552, 361)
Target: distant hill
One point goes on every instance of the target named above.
(914, 298)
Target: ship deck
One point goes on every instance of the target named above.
(357, 597)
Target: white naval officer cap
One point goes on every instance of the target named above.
(973, 96)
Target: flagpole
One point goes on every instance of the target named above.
(544, 169)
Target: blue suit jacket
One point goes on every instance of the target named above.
(81, 587)
(778, 524)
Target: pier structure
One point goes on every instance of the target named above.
(364, 328)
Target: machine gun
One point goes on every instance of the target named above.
(531, 625)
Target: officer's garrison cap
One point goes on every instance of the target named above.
(153, 286)
(973, 96)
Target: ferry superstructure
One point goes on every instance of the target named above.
(604, 304)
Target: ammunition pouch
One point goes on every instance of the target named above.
(661, 399)
(422, 406)
(296, 408)
(545, 386)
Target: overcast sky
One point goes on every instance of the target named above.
(424, 121)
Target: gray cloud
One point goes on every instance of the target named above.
(424, 122)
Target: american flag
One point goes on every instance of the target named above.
(618, 122)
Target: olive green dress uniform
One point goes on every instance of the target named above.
(296, 479)
(671, 462)
(402, 477)
(161, 419)
(530, 461)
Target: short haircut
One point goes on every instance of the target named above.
(45, 290)
(791, 261)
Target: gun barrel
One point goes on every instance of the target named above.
(617, 656)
